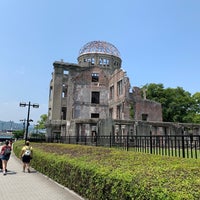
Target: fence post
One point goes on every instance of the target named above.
(127, 141)
(110, 139)
(96, 137)
(183, 144)
(151, 148)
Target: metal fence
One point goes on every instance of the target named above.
(186, 146)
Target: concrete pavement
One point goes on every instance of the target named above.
(18, 185)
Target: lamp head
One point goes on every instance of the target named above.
(22, 104)
(35, 105)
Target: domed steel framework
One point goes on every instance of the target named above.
(99, 47)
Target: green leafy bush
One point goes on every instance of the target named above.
(102, 173)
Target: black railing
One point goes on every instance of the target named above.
(185, 146)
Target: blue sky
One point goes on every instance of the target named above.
(159, 42)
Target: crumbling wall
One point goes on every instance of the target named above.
(119, 100)
(145, 109)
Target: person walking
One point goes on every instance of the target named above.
(26, 155)
(5, 156)
(10, 142)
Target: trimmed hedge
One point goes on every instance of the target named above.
(98, 173)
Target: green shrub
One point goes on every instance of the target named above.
(103, 173)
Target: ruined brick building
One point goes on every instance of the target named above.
(94, 96)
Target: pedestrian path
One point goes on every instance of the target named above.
(18, 185)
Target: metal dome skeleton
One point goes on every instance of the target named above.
(99, 47)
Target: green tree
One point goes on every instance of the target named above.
(177, 104)
(18, 134)
(196, 98)
(196, 108)
(42, 121)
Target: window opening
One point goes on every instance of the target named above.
(112, 92)
(50, 93)
(92, 61)
(95, 77)
(144, 117)
(95, 97)
(100, 61)
(111, 112)
(119, 110)
(119, 88)
(64, 112)
(94, 115)
(64, 92)
(65, 72)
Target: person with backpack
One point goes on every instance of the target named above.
(5, 156)
(26, 155)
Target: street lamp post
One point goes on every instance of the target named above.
(35, 105)
(24, 121)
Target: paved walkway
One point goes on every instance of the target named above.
(18, 185)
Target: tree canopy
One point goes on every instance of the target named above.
(178, 105)
(18, 134)
(41, 122)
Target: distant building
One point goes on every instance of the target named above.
(93, 96)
